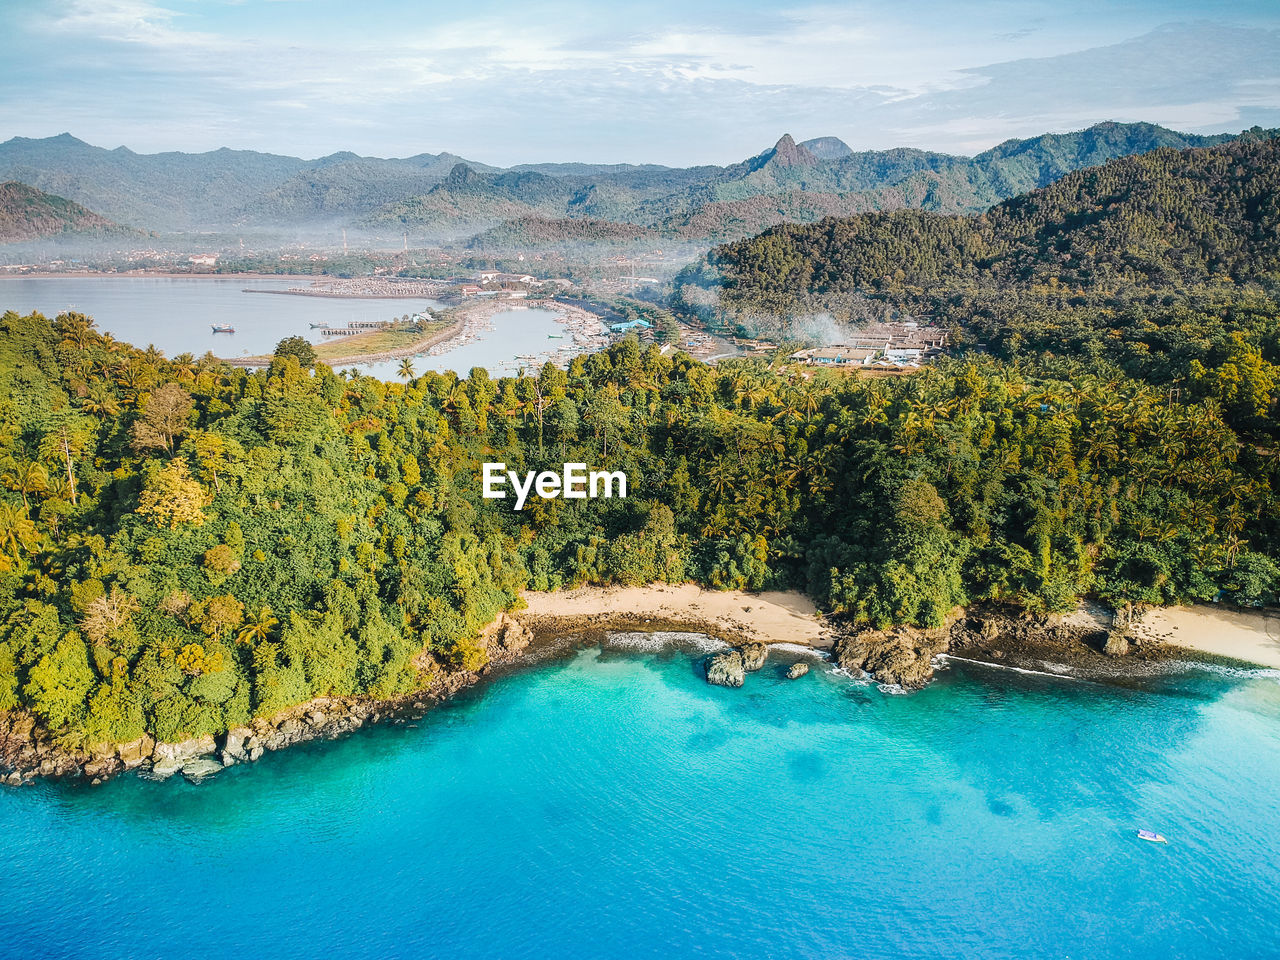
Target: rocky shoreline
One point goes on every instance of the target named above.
(28, 751)
(908, 657)
(901, 657)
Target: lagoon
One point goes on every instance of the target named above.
(612, 804)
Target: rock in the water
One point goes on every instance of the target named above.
(233, 744)
(164, 769)
(199, 768)
(797, 669)
(754, 655)
(1117, 644)
(902, 656)
(180, 753)
(726, 669)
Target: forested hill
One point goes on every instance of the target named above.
(28, 214)
(1163, 219)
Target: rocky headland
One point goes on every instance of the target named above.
(28, 751)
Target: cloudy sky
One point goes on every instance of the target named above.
(693, 81)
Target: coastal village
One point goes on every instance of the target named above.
(891, 348)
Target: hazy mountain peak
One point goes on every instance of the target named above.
(461, 175)
(827, 148)
(787, 153)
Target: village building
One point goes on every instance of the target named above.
(629, 325)
(839, 355)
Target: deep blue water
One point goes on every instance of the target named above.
(614, 805)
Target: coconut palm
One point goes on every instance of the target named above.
(26, 477)
(258, 627)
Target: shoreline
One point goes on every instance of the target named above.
(454, 329)
(1250, 636)
(771, 617)
(552, 625)
(468, 322)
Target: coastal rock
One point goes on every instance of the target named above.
(199, 768)
(797, 669)
(133, 753)
(901, 656)
(754, 655)
(726, 669)
(180, 753)
(1117, 644)
(20, 728)
(506, 637)
(164, 769)
(232, 743)
(100, 767)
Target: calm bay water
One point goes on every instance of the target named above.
(515, 335)
(614, 805)
(177, 314)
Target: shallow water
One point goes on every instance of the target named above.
(612, 804)
(514, 334)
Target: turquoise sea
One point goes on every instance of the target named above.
(611, 804)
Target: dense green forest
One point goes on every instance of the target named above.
(184, 545)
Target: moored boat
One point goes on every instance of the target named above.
(223, 328)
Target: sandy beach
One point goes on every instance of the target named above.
(1249, 635)
(771, 617)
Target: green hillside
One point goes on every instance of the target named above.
(1165, 218)
(29, 214)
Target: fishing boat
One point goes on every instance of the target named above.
(319, 326)
(1152, 836)
(555, 336)
(223, 328)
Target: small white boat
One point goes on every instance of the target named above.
(1152, 836)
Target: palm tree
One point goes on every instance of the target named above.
(99, 402)
(406, 369)
(258, 627)
(18, 535)
(26, 478)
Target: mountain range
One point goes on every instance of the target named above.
(443, 196)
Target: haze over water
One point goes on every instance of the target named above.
(613, 804)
